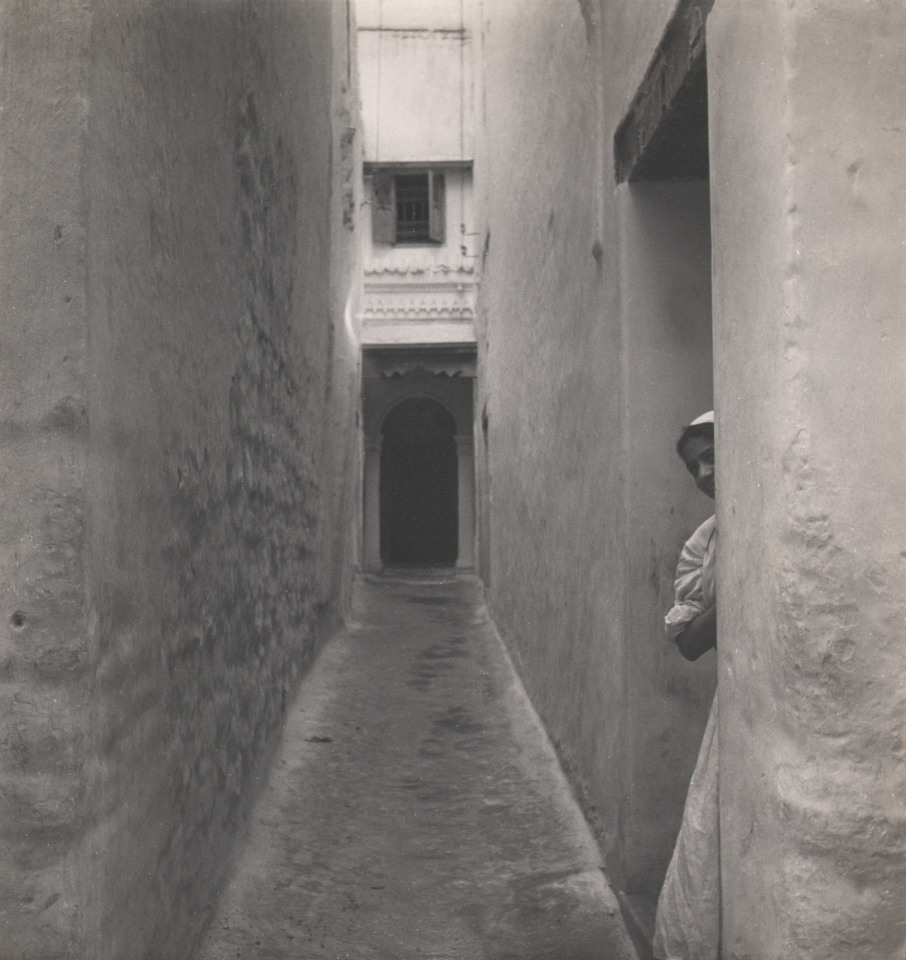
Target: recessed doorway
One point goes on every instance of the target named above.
(419, 485)
(662, 156)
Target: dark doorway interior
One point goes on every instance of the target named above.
(419, 512)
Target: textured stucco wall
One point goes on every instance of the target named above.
(185, 492)
(809, 216)
(582, 401)
(594, 350)
(45, 660)
(550, 386)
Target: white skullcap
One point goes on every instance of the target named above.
(704, 418)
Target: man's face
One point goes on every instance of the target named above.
(698, 455)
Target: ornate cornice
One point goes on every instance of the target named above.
(399, 300)
(423, 309)
(414, 270)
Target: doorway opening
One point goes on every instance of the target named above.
(662, 165)
(419, 486)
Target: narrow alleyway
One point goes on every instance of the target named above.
(415, 808)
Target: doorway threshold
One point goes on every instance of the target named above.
(400, 574)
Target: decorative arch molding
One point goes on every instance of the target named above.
(402, 364)
(390, 405)
(453, 369)
(390, 378)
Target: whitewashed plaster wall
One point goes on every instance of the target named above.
(417, 89)
(809, 216)
(176, 450)
(593, 351)
(417, 81)
(426, 14)
(416, 96)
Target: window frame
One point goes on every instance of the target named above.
(385, 213)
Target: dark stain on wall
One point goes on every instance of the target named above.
(589, 10)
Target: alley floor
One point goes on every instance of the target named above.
(415, 810)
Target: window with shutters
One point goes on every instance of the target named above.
(408, 207)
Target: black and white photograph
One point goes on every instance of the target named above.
(454, 469)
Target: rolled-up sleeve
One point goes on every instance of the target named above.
(688, 597)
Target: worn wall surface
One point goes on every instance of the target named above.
(594, 351)
(416, 62)
(809, 216)
(45, 658)
(550, 401)
(416, 94)
(590, 365)
(175, 183)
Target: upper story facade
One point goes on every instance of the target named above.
(417, 75)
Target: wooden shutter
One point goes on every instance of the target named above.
(383, 209)
(437, 206)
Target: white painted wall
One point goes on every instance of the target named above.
(810, 385)
(416, 95)
(426, 14)
(417, 79)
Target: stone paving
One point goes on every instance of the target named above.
(415, 810)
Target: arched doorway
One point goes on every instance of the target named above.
(419, 485)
